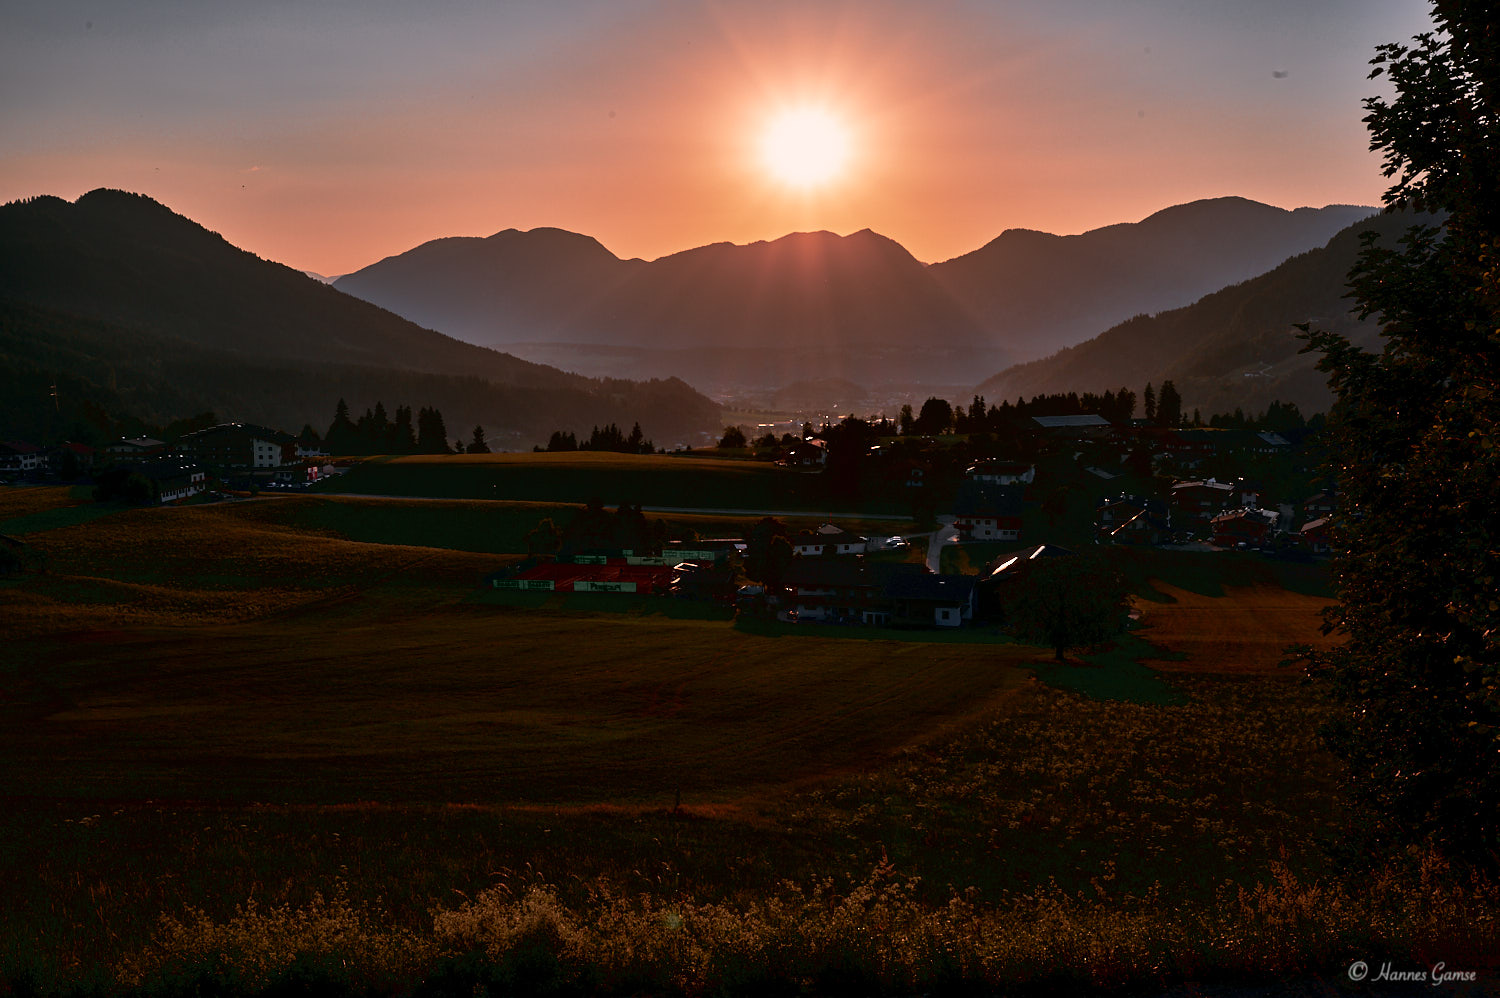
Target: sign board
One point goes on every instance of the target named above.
(525, 584)
(583, 586)
(590, 559)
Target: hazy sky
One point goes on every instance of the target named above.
(327, 134)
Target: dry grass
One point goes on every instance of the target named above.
(1244, 632)
(232, 736)
(20, 501)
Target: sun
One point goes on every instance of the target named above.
(805, 146)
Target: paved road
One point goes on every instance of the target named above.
(944, 535)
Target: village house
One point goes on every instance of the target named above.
(134, 448)
(997, 472)
(1184, 448)
(1314, 535)
(804, 454)
(1244, 527)
(828, 539)
(1205, 498)
(835, 590)
(984, 512)
(240, 446)
(1319, 504)
(80, 457)
(925, 599)
(1131, 520)
(19, 458)
(301, 472)
(172, 478)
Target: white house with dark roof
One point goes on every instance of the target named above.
(997, 472)
(983, 512)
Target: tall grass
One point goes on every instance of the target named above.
(880, 937)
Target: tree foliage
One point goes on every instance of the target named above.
(1067, 602)
(1415, 428)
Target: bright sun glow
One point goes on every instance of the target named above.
(805, 147)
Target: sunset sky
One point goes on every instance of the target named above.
(327, 135)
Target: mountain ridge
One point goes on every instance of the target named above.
(125, 263)
(1235, 347)
(859, 307)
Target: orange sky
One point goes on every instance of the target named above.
(328, 136)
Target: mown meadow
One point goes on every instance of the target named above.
(288, 746)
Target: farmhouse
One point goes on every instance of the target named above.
(984, 512)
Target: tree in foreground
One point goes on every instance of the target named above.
(1067, 602)
(1416, 439)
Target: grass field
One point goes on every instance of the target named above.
(302, 704)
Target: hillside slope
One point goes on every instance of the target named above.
(1234, 348)
(135, 305)
(1041, 292)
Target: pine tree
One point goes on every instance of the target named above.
(477, 444)
(432, 435)
(1168, 405)
(1150, 403)
(342, 436)
(402, 439)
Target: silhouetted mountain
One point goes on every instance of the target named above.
(116, 290)
(1233, 348)
(510, 287)
(817, 305)
(810, 304)
(1041, 292)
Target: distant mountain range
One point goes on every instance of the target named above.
(1043, 292)
(129, 305)
(1234, 348)
(820, 306)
